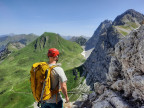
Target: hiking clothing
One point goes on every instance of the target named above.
(52, 105)
(57, 76)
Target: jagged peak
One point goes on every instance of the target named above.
(130, 11)
(105, 24)
(128, 15)
(133, 12)
(107, 21)
(94, 39)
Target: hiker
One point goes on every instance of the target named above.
(58, 79)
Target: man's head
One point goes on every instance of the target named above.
(53, 54)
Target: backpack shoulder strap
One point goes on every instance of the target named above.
(47, 77)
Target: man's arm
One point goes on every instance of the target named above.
(64, 91)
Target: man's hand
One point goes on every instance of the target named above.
(64, 91)
(67, 99)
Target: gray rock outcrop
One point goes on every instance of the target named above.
(96, 66)
(127, 17)
(10, 47)
(94, 39)
(124, 85)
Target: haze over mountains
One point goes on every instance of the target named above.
(80, 40)
(22, 38)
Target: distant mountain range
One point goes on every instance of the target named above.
(67, 37)
(9, 48)
(70, 37)
(22, 38)
(11, 34)
(80, 40)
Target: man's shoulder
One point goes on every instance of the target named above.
(58, 69)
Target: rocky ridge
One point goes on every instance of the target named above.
(97, 65)
(128, 16)
(124, 85)
(93, 40)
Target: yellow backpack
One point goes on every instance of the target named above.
(40, 81)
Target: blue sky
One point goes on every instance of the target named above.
(66, 17)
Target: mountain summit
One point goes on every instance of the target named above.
(93, 40)
(104, 41)
(128, 16)
(123, 23)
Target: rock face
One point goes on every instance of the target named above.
(4, 53)
(115, 68)
(129, 16)
(10, 47)
(93, 40)
(124, 85)
(97, 65)
(129, 55)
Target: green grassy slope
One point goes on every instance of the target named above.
(15, 91)
(127, 28)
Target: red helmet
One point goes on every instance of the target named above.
(53, 52)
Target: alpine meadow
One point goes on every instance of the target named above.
(15, 91)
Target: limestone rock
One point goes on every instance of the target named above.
(112, 50)
(92, 96)
(109, 100)
(94, 39)
(97, 65)
(102, 104)
(124, 84)
(99, 88)
(129, 16)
